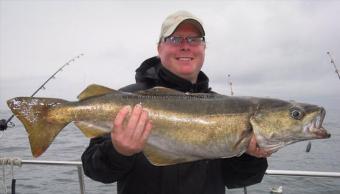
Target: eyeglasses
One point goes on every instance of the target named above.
(192, 41)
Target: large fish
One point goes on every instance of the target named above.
(186, 126)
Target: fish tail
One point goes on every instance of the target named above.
(33, 113)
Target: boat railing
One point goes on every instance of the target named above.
(78, 164)
(18, 162)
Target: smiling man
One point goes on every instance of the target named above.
(183, 52)
(118, 157)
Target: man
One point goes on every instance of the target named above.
(118, 156)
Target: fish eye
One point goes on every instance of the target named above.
(296, 114)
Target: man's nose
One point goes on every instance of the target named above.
(184, 45)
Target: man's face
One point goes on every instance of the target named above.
(184, 60)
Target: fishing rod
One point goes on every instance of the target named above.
(309, 145)
(230, 85)
(332, 62)
(5, 123)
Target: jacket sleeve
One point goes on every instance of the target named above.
(243, 171)
(101, 162)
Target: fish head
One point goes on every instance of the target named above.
(277, 123)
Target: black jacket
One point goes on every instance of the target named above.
(134, 174)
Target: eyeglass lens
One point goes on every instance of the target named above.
(193, 41)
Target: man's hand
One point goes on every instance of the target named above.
(130, 132)
(254, 150)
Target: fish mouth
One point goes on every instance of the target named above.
(315, 126)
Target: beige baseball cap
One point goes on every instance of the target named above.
(174, 20)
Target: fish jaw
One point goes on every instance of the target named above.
(276, 128)
(315, 128)
(320, 133)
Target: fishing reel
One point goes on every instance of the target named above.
(4, 124)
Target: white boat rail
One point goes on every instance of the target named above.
(303, 173)
(18, 162)
(78, 164)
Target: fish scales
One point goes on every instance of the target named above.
(186, 127)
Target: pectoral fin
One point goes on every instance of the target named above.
(91, 130)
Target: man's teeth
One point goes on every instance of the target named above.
(184, 58)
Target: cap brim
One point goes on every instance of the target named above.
(173, 27)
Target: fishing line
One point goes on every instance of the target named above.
(333, 63)
(4, 124)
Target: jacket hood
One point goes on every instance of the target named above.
(152, 72)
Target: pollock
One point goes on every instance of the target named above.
(186, 126)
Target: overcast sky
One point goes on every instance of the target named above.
(270, 48)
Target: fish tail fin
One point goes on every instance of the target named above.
(33, 113)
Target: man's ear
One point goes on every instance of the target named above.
(158, 47)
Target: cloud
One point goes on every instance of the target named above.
(270, 48)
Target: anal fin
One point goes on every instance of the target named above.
(160, 157)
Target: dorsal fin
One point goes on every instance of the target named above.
(160, 91)
(94, 90)
(163, 91)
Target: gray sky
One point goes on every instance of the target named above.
(271, 48)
